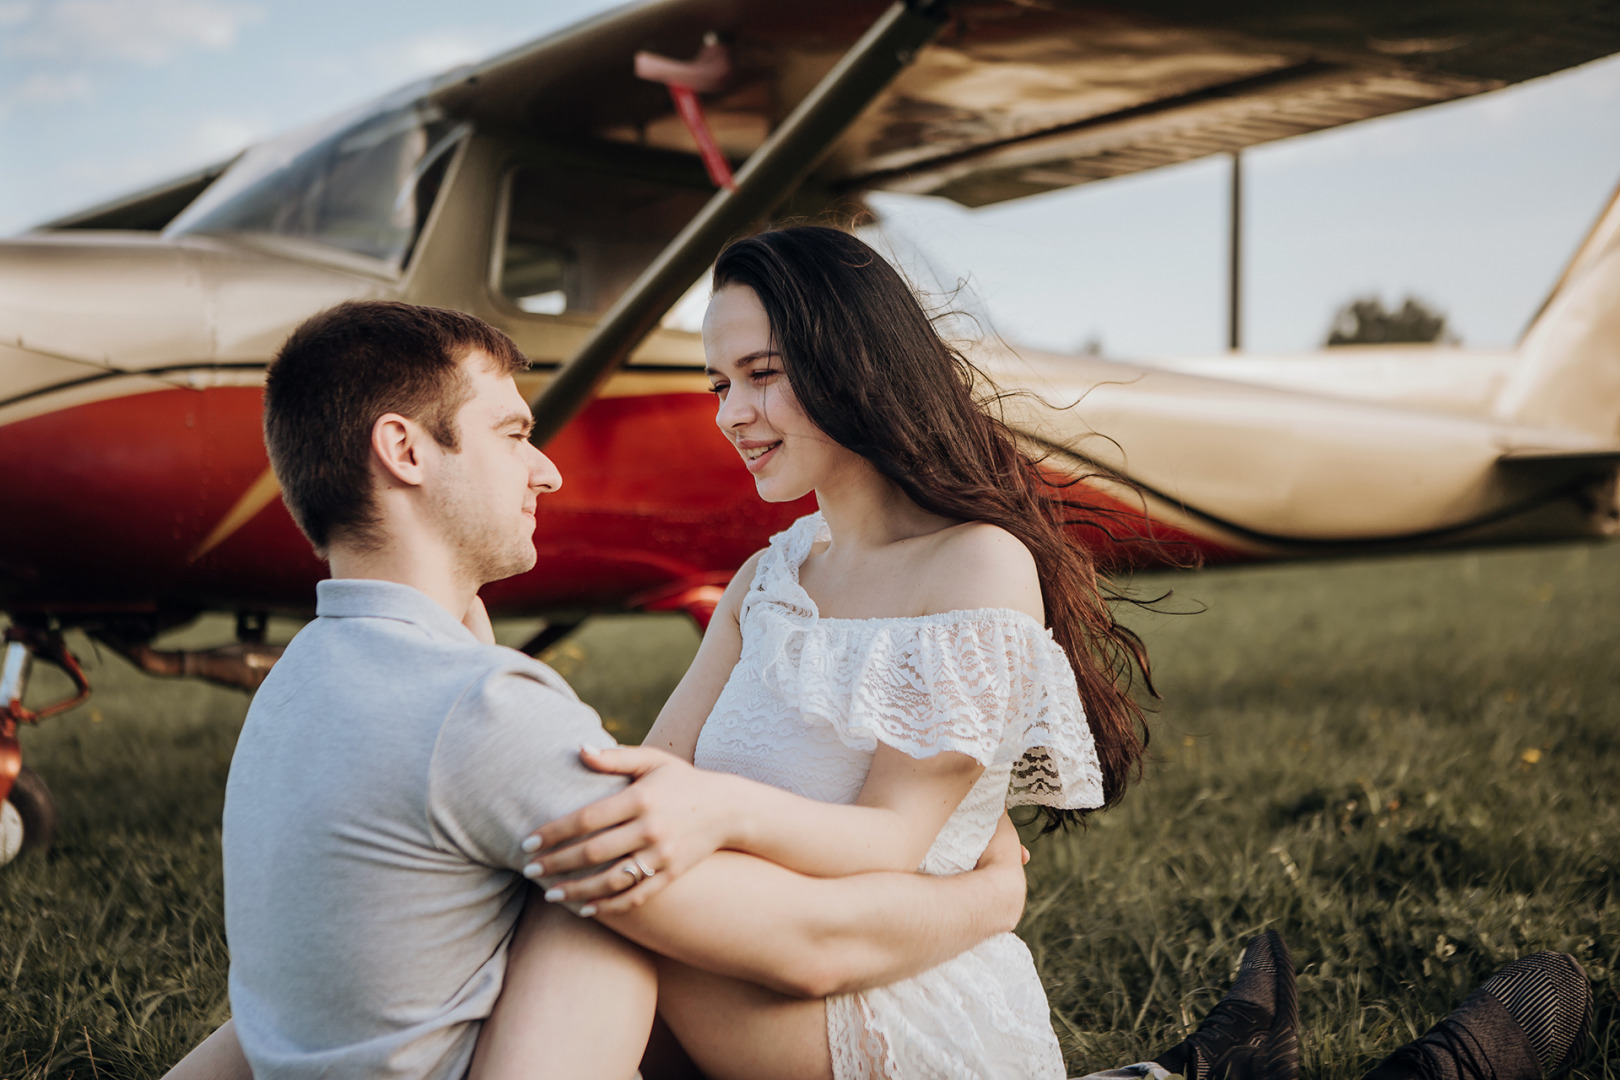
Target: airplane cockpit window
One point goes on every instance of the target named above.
(363, 186)
(576, 237)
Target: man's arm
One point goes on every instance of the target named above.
(740, 916)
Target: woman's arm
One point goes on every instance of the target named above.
(674, 815)
(681, 719)
(809, 937)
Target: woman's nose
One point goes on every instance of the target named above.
(735, 409)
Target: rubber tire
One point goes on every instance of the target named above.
(32, 801)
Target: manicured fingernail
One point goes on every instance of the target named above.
(587, 911)
(532, 870)
(553, 895)
(531, 843)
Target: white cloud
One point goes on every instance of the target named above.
(46, 88)
(217, 137)
(204, 142)
(428, 54)
(386, 65)
(150, 32)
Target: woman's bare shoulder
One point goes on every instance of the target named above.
(731, 600)
(979, 565)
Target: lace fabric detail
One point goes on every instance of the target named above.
(990, 683)
(981, 1016)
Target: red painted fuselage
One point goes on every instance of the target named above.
(111, 506)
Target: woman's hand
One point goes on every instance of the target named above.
(1005, 859)
(669, 819)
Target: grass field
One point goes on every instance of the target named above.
(1410, 767)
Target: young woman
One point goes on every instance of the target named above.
(892, 671)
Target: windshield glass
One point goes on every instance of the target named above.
(365, 186)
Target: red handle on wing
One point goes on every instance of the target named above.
(705, 73)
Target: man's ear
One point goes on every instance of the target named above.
(396, 448)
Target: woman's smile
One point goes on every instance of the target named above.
(756, 452)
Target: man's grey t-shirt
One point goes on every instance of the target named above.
(388, 771)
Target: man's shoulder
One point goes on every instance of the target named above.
(497, 662)
(506, 757)
(353, 652)
(501, 687)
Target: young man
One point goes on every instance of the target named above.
(392, 764)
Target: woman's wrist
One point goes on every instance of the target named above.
(740, 824)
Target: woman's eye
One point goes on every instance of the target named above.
(719, 388)
(763, 373)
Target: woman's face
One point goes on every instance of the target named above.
(788, 455)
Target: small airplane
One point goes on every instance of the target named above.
(569, 201)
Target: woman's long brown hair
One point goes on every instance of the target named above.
(870, 370)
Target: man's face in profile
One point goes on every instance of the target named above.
(484, 494)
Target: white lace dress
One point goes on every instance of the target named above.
(805, 709)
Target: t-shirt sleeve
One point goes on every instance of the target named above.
(507, 762)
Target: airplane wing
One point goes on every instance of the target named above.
(1023, 96)
(1016, 97)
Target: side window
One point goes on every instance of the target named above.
(534, 274)
(576, 237)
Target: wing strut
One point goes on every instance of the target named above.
(768, 177)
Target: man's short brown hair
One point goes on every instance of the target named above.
(340, 371)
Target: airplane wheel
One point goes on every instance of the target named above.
(27, 817)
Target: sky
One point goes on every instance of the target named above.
(1472, 206)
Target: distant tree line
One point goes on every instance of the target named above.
(1365, 321)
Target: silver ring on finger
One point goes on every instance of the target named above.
(646, 871)
(634, 869)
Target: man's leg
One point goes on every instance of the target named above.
(1527, 1021)
(577, 1002)
(1251, 1034)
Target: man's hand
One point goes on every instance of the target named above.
(672, 817)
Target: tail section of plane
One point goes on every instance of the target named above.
(1568, 374)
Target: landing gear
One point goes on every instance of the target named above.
(27, 817)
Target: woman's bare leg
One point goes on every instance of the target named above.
(577, 1002)
(738, 1031)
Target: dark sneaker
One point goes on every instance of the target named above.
(1253, 1032)
(1527, 1021)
